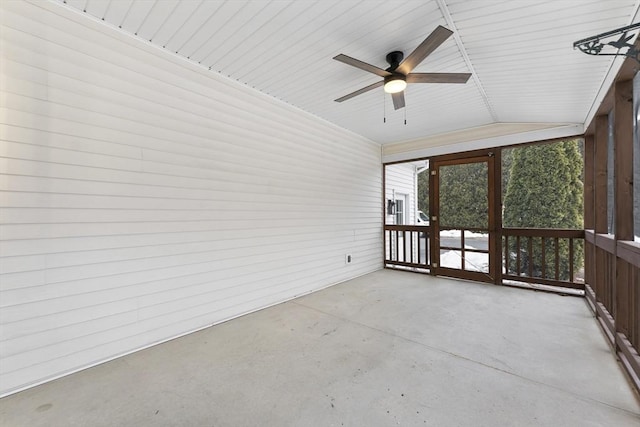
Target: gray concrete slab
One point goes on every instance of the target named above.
(389, 348)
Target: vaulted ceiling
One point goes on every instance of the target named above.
(525, 72)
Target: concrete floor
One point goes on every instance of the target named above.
(389, 348)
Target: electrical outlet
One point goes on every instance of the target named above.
(348, 259)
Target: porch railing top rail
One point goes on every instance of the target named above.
(543, 232)
(423, 228)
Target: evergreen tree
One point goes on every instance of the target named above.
(507, 159)
(464, 198)
(423, 192)
(545, 191)
(463, 195)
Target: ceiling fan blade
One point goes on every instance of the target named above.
(431, 43)
(398, 100)
(362, 65)
(438, 77)
(360, 91)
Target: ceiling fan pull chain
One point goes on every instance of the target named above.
(405, 110)
(384, 108)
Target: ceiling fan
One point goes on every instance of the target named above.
(399, 72)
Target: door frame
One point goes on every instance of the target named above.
(494, 190)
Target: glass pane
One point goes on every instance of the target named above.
(450, 239)
(476, 240)
(476, 261)
(464, 198)
(450, 259)
(399, 211)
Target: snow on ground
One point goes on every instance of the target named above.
(467, 234)
(473, 261)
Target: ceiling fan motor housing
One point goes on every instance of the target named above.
(394, 59)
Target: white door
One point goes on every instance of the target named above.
(402, 209)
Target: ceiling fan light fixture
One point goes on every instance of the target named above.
(395, 83)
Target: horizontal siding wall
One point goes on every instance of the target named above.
(143, 197)
(400, 179)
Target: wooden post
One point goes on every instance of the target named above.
(600, 174)
(497, 217)
(601, 140)
(589, 214)
(623, 170)
(589, 208)
(623, 190)
(434, 228)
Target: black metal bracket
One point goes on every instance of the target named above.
(394, 59)
(609, 44)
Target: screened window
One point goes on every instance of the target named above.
(542, 185)
(636, 157)
(611, 203)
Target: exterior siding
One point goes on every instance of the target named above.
(143, 198)
(401, 179)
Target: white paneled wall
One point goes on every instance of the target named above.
(144, 197)
(400, 183)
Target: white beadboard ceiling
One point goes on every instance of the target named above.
(524, 67)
